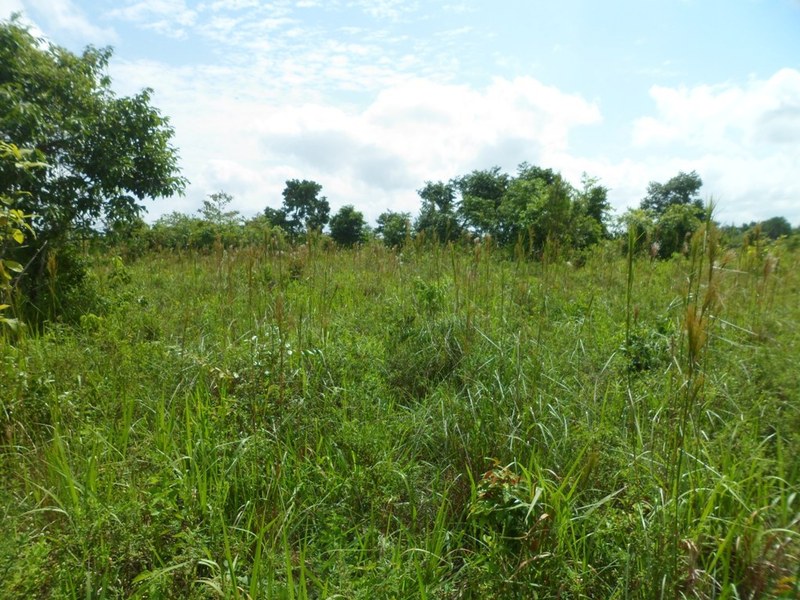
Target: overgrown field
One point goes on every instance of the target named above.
(439, 423)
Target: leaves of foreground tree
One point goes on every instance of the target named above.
(106, 154)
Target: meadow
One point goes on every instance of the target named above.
(439, 422)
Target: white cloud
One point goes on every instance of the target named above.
(744, 140)
(762, 112)
(386, 9)
(374, 156)
(61, 17)
(168, 17)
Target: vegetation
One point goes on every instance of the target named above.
(443, 422)
(104, 155)
(15, 228)
(348, 227)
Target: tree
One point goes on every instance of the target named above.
(213, 209)
(776, 227)
(394, 228)
(593, 199)
(536, 208)
(437, 217)
(105, 154)
(639, 226)
(277, 218)
(482, 194)
(348, 227)
(305, 210)
(675, 227)
(682, 189)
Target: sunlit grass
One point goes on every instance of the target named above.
(440, 423)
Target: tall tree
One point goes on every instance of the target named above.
(394, 228)
(214, 209)
(675, 227)
(482, 194)
(437, 216)
(536, 208)
(277, 218)
(105, 154)
(305, 209)
(348, 227)
(684, 188)
(590, 212)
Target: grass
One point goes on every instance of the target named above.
(441, 423)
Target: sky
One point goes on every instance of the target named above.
(372, 98)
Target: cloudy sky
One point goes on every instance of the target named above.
(371, 98)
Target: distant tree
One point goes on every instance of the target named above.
(437, 217)
(537, 208)
(213, 209)
(675, 227)
(277, 218)
(776, 227)
(261, 231)
(641, 225)
(684, 188)
(348, 227)
(305, 209)
(394, 228)
(482, 194)
(593, 201)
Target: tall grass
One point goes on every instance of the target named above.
(436, 423)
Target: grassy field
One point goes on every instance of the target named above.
(437, 423)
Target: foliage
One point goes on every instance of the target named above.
(776, 227)
(437, 216)
(675, 227)
(214, 209)
(482, 194)
(348, 227)
(394, 228)
(277, 217)
(14, 227)
(592, 203)
(683, 189)
(105, 153)
(304, 209)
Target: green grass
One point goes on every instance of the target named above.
(440, 423)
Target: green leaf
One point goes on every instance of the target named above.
(18, 236)
(13, 265)
(12, 323)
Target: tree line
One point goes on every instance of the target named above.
(525, 212)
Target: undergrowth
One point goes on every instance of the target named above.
(439, 423)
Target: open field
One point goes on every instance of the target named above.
(441, 423)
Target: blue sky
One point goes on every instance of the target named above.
(371, 98)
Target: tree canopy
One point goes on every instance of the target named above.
(394, 228)
(437, 217)
(303, 207)
(348, 227)
(684, 188)
(105, 154)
